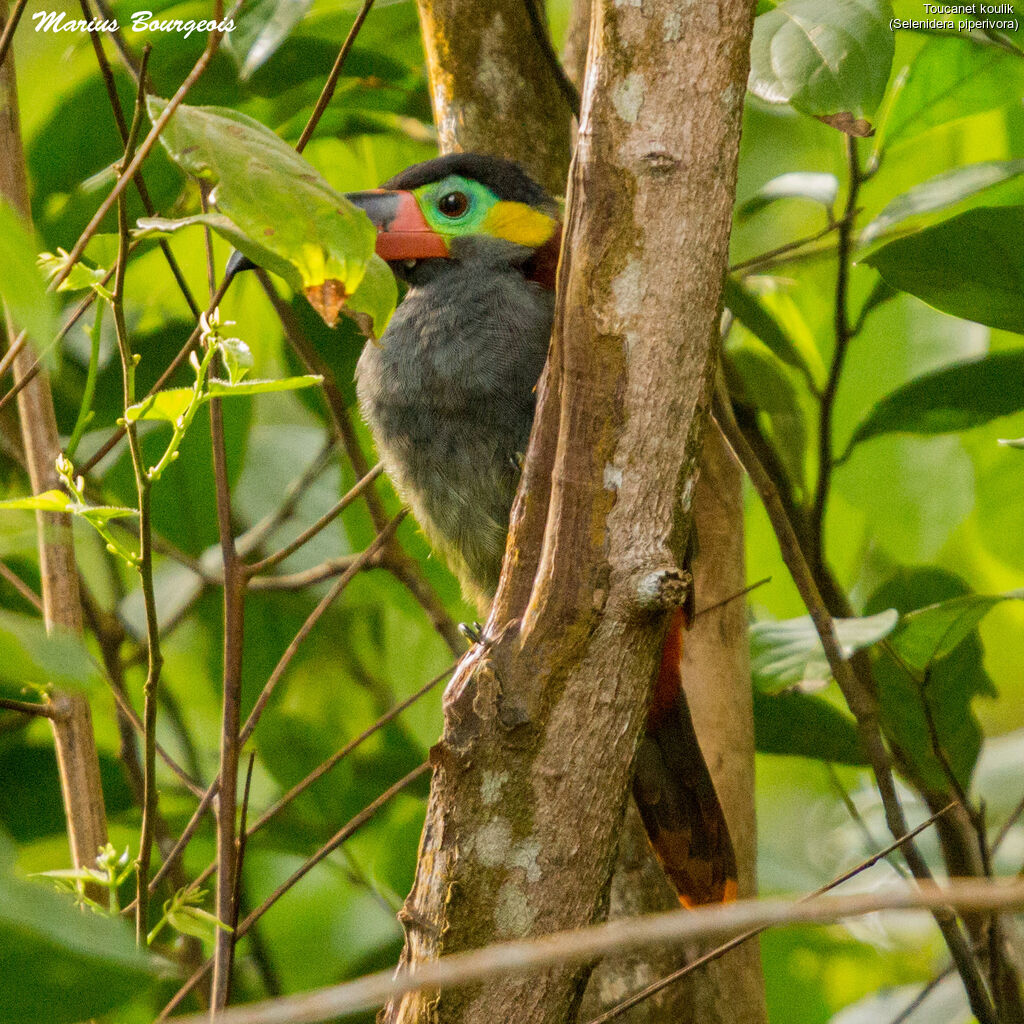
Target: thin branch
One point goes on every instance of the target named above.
(145, 559)
(332, 79)
(122, 128)
(12, 23)
(349, 829)
(858, 696)
(230, 742)
(175, 363)
(581, 946)
(364, 559)
(21, 587)
(308, 577)
(843, 336)
(566, 86)
(144, 149)
(732, 597)
(27, 707)
(714, 954)
(325, 520)
(7, 360)
(755, 262)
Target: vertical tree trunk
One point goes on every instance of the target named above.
(541, 724)
(62, 609)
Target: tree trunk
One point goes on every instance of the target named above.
(541, 722)
(62, 609)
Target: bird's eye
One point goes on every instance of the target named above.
(453, 204)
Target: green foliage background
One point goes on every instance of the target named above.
(926, 507)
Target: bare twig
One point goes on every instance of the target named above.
(8, 31)
(580, 946)
(145, 558)
(843, 336)
(308, 534)
(147, 144)
(361, 561)
(332, 79)
(21, 587)
(230, 743)
(27, 707)
(764, 258)
(350, 828)
(566, 86)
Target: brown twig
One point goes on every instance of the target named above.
(349, 829)
(230, 744)
(332, 79)
(566, 86)
(843, 336)
(585, 944)
(8, 32)
(27, 707)
(21, 587)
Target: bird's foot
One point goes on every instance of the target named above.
(474, 632)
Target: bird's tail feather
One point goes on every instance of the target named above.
(676, 796)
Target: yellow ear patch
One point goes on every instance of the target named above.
(519, 223)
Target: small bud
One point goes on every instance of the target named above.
(174, 456)
(193, 360)
(80, 483)
(136, 359)
(112, 549)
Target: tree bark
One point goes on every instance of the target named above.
(541, 721)
(62, 609)
(491, 85)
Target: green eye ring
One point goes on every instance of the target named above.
(453, 204)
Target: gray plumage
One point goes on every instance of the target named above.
(449, 393)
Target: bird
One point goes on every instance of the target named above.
(449, 393)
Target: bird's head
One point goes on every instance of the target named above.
(464, 209)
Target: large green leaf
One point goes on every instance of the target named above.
(787, 653)
(30, 655)
(273, 198)
(22, 287)
(954, 398)
(950, 79)
(60, 965)
(806, 726)
(813, 185)
(938, 639)
(168, 405)
(971, 266)
(823, 56)
(940, 192)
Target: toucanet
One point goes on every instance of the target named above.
(449, 392)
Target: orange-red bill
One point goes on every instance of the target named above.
(402, 231)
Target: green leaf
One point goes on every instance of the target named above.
(237, 358)
(225, 389)
(167, 405)
(928, 634)
(1017, 442)
(102, 514)
(937, 632)
(787, 653)
(940, 192)
(275, 199)
(951, 79)
(375, 299)
(30, 655)
(823, 56)
(81, 276)
(802, 725)
(21, 285)
(749, 311)
(817, 187)
(60, 965)
(952, 399)
(260, 30)
(48, 501)
(971, 266)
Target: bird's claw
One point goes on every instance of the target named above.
(474, 632)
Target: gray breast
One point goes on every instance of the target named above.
(449, 393)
